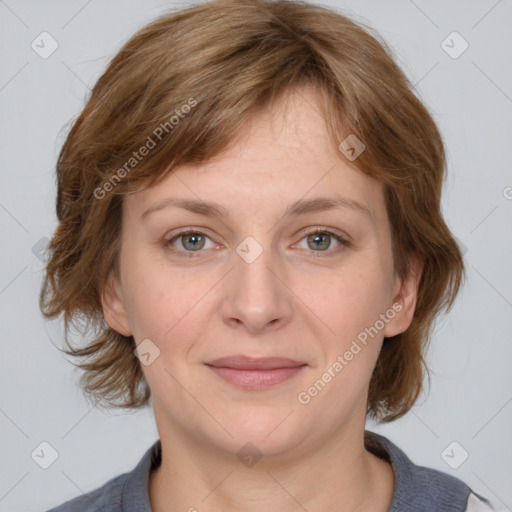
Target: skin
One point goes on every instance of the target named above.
(286, 303)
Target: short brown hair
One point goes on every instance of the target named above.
(226, 60)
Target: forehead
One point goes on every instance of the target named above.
(284, 156)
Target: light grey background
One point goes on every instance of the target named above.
(470, 97)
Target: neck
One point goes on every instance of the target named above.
(338, 474)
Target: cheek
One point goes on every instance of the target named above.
(353, 301)
(166, 307)
(351, 306)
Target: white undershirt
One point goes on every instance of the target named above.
(476, 505)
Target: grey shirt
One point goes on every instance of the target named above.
(417, 488)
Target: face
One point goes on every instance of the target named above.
(270, 272)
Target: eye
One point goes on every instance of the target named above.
(191, 241)
(320, 239)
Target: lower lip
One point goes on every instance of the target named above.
(255, 379)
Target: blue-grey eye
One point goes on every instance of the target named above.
(193, 241)
(319, 241)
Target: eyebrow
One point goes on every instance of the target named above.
(300, 207)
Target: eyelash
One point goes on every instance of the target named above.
(317, 254)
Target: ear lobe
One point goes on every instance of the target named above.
(113, 306)
(405, 298)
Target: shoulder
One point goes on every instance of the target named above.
(108, 497)
(422, 488)
(127, 492)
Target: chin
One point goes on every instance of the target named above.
(265, 434)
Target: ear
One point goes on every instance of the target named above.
(114, 310)
(405, 296)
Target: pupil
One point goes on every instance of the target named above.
(318, 237)
(197, 240)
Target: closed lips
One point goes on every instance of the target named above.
(261, 364)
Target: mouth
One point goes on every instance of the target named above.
(255, 373)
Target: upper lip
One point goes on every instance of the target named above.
(240, 362)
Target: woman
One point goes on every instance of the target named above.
(249, 215)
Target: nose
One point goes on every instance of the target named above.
(255, 296)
